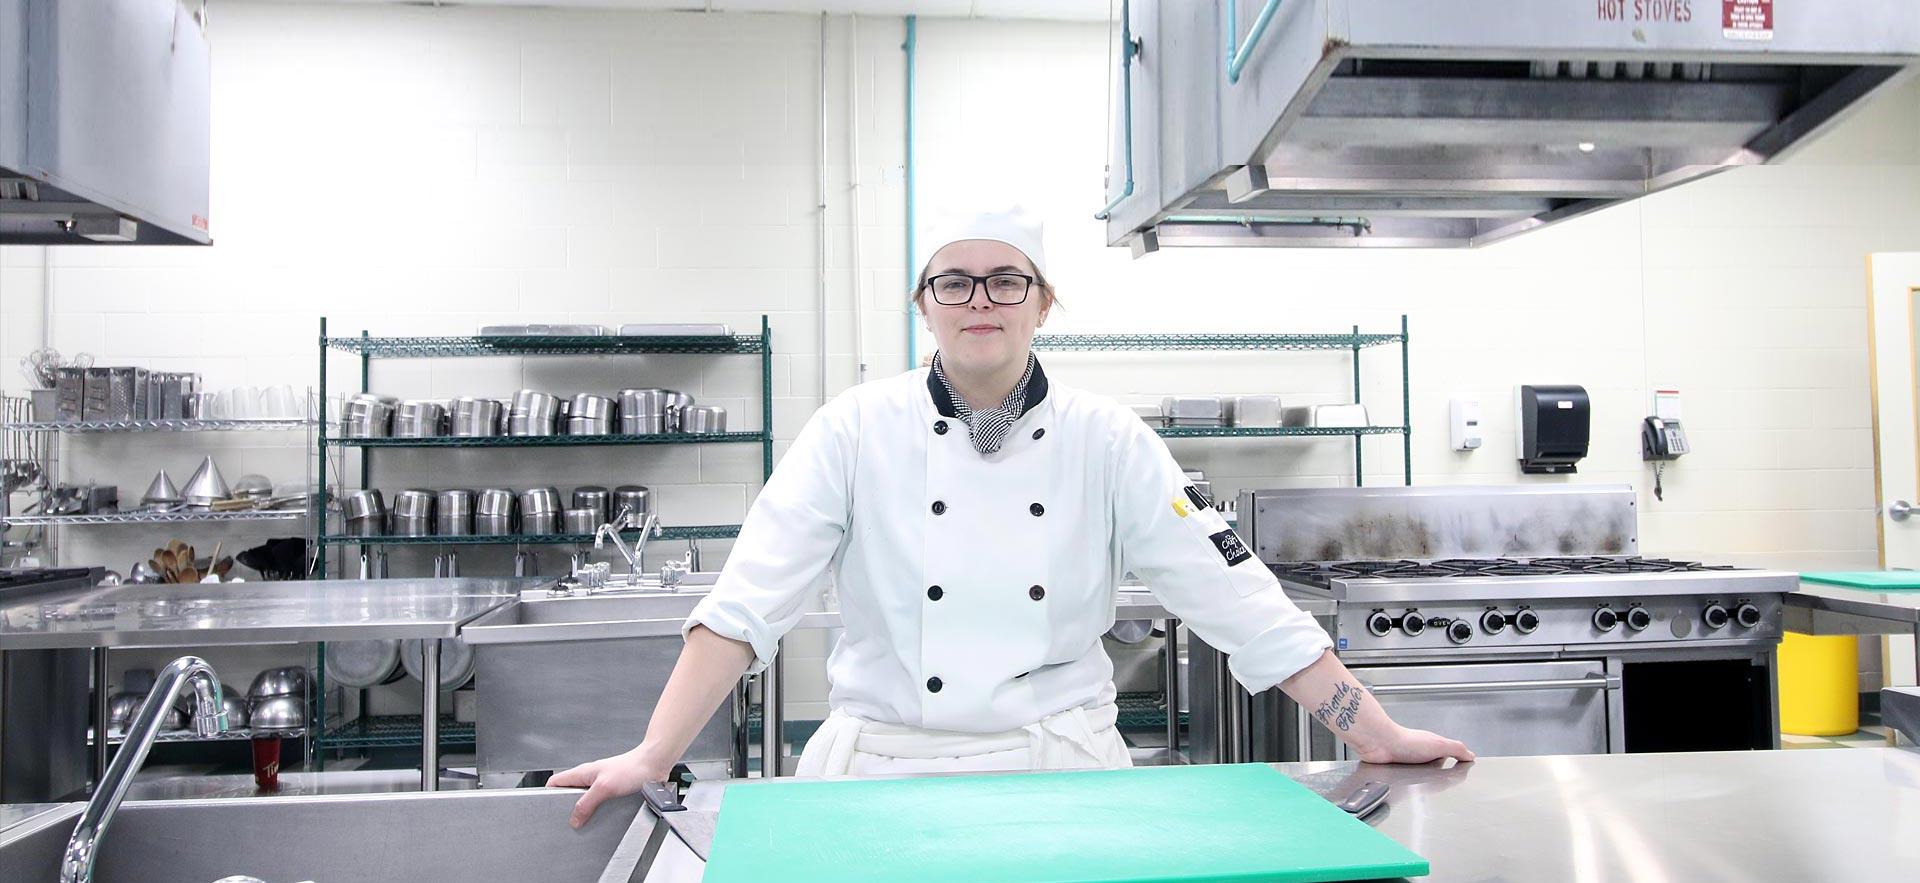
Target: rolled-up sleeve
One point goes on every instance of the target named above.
(789, 539)
(1198, 567)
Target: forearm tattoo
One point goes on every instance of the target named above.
(1340, 710)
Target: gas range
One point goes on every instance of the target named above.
(1531, 603)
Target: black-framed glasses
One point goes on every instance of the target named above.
(956, 289)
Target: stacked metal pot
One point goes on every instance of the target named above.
(497, 511)
(529, 413)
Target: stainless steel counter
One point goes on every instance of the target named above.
(1844, 814)
(250, 613)
(1820, 609)
(12, 814)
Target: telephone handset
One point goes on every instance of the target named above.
(1662, 440)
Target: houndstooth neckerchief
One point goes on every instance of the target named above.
(987, 428)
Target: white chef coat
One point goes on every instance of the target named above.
(974, 588)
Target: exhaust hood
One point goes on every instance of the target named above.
(104, 134)
(1415, 123)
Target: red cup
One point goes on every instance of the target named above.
(266, 762)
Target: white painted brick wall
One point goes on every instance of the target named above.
(420, 171)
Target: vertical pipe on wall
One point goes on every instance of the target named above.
(820, 294)
(911, 44)
(853, 197)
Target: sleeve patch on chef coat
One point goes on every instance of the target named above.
(1229, 545)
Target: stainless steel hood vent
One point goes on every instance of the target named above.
(104, 125)
(1414, 123)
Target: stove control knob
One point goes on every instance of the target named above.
(1460, 631)
(1379, 624)
(1493, 622)
(1746, 615)
(1638, 618)
(1605, 619)
(1526, 621)
(1412, 623)
(1715, 616)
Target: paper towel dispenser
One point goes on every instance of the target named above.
(1554, 424)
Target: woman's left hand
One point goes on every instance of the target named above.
(1405, 745)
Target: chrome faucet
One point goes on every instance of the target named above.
(209, 718)
(636, 559)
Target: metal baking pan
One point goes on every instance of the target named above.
(543, 331)
(682, 329)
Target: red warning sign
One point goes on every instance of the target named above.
(1746, 19)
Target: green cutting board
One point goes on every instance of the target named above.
(1875, 580)
(1242, 822)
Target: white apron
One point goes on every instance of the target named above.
(1075, 739)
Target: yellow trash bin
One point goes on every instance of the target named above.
(1819, 684)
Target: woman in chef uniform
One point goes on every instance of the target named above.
(976, 518)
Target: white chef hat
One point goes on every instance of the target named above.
(1012, 224)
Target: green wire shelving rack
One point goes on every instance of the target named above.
(401, 731)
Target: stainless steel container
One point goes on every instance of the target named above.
(579, 521)
(471, 417)
(705, 420)
(413, 503)
(540, 501)
(589, 425)
(410, 525)
(591, 496)
(495, 501)
(534, 413)
(453, 512)
(492, 525)
(636, 500)
(1193, 410)
(1253, 410)
(419, 418)
(366, 416)
(539, 523)
(359, 664)
(643, 411)
(364, 512)
(677, 403)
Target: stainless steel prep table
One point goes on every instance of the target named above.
(1844, 814)
(208, 614)
(1821, 609)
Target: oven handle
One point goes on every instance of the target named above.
(1590, 682)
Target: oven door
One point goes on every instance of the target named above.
(1503, 709)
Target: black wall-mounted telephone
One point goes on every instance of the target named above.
(1660, 441)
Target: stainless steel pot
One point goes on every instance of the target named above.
(636, 500)
(591, 496)
(704, 420)
(580, 521)
(419, 418)
(539, 523)
(237, 709)
(677, 403)
(540, 501)
(409, 526)
(364, 513)
(590, 405)
(272, 714)
(492, 525)
(453, 512)
(643, 411)
(367, 416)
(589, 425)
(495, 501)
(476, 418)
(413, 503)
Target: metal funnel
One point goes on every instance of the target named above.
(206, 486)
(162, 490)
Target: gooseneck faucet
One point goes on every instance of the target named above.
(209, 718)
(636, 559)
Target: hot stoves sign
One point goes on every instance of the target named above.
(1746, 19)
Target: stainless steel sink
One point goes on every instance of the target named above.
(412, 837)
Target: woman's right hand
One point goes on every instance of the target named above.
(609, 777)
